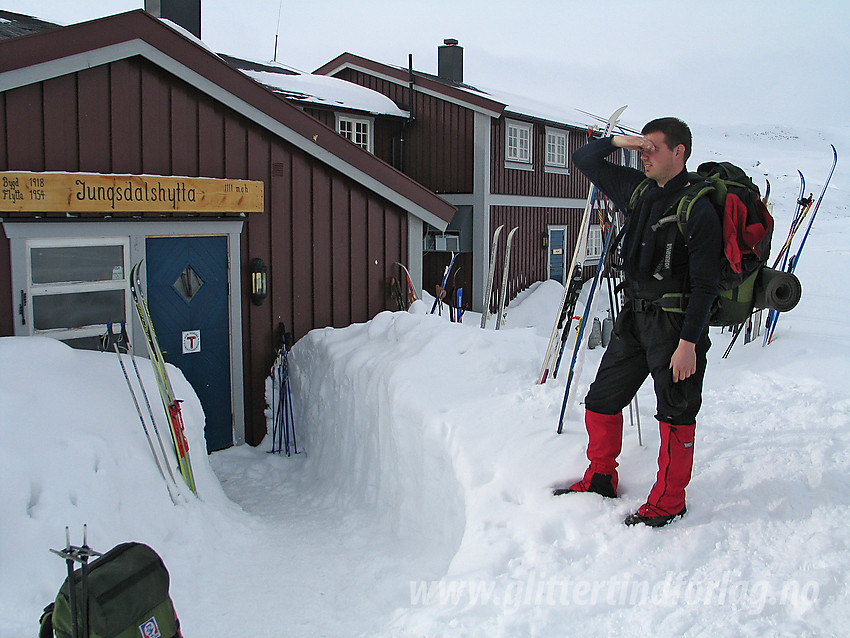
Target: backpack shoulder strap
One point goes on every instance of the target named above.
(46, 622)
(637, 193)
(680, 212)
(715, 189)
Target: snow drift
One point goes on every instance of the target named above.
(420, 503)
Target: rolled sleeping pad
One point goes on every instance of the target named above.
(777, 290)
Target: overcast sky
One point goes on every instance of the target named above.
(724, 61)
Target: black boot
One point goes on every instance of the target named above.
(651, 519)
(602, 484)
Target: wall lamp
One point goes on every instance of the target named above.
(259, 281)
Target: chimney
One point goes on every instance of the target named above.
(185, 13)
(450, 61)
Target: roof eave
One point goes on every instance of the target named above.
(40, 56)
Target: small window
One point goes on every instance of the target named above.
(75, 288)
(518, 142)
(594, 242)
(357, 130)
(556, 148)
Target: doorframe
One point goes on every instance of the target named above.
(19, 233)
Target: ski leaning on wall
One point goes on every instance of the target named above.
(485, 311)
(441, 289)
(411, 289)
(500, 317)
(491, 276)
(560, 330)
(166, 392)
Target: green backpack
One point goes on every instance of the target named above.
(747, 231)
(127, 594)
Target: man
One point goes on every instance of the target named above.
(649, 339)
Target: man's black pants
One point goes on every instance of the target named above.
(642, 343)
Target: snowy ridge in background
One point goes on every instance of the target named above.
(420, 504)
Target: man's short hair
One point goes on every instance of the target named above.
(675, 132)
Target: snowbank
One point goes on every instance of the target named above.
(74, 453)
(420, 504)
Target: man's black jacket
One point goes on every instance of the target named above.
(695, 262)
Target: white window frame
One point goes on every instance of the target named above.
(594, 242)
(557, 150)
(34, 290)
(347, 126)
(519, 144)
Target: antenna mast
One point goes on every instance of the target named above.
(276, 33)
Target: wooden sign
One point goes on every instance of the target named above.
(93, 192)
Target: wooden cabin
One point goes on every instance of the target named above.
(124, 140)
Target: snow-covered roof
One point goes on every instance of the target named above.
(287, 81)
(327, 91)
(15, 24)
(322, 90)
(538, 109)
(493, 101)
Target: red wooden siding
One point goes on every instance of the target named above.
(330, 243)
(528, 256)
(438, 149)
(126, 125)
(536, 182)
(386, 137)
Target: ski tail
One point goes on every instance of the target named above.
(500, 317)
(795, 258)
(584, 321)
(411, 289)
(488, 293)
(563, 310)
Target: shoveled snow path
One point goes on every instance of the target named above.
(304, 552)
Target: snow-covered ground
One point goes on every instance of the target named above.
(420, 502)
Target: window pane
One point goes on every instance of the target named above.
(361, 135)
(518, 143)
(556, 149)
(77, 263)
(358, 131)
(594, 242)
(523, 143)
(514, 142)
(78, 309)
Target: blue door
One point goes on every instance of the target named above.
(187, 291)
(556, 254)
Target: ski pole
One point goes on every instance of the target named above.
(72, 588)
(794, 260)
(84, 559)
(144, 426)
(289, 413)
(152, 418)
